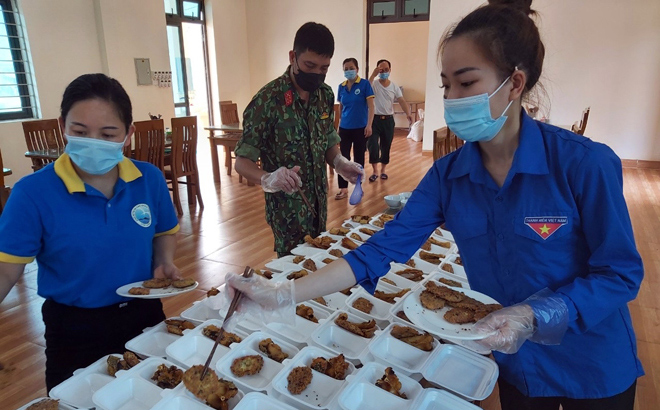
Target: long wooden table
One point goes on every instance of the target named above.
(228, 140)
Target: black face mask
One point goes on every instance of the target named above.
(309, 82)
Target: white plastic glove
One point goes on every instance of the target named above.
(282, 179)
(349, 170)
(262, 299)
(513, 325)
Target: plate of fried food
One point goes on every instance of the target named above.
(448, 312)
(156, 288)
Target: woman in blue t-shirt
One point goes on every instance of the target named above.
(356, 100)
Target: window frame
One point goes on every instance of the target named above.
(399, 15)
(21, 60)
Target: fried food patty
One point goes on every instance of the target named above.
(336, 253)
(272, 350)
(139, 291)
(363, 305)
(183, 283)
(422, 341)
(299, 379)
(45, 404)
(167, 377)
(157, 283)
(391, 383)
(364, 329)
(431, 301)
(459, 315)
(247, 365)
(306, 312)
(450, 282)
(297, 275)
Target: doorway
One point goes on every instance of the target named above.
(186, 40)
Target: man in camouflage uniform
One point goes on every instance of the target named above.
(289, 126)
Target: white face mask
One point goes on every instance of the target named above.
(94, 156)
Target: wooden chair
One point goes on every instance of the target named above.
(580, 126)
(184, 161)
(229, 113)
(444, 142)
(42, 135)
(229, 116)
(4, 190)
(225, 102)
(150, 142)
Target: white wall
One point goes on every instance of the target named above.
(405, 45)
(272, 25)
(603, 54)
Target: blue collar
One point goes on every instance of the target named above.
(530, 156)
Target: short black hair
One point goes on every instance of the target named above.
(350, 60)
(314, 37)
(100, 86)
(384, 61)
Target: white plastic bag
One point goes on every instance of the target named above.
(417, 129)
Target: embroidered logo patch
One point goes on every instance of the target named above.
(325, 115)
(288, 98)
(142, 215)
(357, 91)
(545, 226)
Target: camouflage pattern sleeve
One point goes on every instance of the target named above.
(255, 128)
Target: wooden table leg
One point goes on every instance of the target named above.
(214, 159)
(228, 164)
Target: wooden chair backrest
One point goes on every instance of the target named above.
(444, 142)
(150, 142)
(225, 102)
(337, 115)
(42, 135)
(229, 114)
(184, 146)
(580, 127)
(4, 190)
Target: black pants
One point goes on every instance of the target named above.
(512, 399)
(381, 138)
(352, 137)
(77, 337)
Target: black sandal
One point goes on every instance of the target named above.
(383, 176)
(373, 178)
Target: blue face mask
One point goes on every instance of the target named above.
(469, 118)
(384, 76)
(96, 157)
(350, 74)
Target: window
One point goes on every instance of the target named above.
(392, 11)
(16, 81)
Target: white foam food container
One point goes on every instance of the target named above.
(259, 401)
(404, 358)
(440, 251)
(249, 347)
(349, 223)
(398, 267)
(423, 265)
(60, 405)
(193, 347)
(281, 264)
(446, 275)
(305, 249)
(335, 301)
(78, 389)
(317, 259)
(381, 309)
(200, 311)
(459, 270)
(322, 390)
(356, 231)
(338, 340)
(133, 388)
(471, 345)
(298, 334)
(180, 402)
(434, 399)
(153, 341)
(181, 392)
(361, 392)
(400, 281)
(443, 233)
(465, 373)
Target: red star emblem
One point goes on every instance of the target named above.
(288, 98)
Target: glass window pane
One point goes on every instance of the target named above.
(191, 9)
(414, 7)
(176, 64)
(384, 8)
(180, 112)
(171, 7)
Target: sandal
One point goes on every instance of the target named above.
(373, 178)
(383, 176)
(341, 195)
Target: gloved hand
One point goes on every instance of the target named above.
(541, 318)
(282, 179)
(262, 299)
(349, 170)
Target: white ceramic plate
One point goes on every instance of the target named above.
(434, 321)
(154, 293)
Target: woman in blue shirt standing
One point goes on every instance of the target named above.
(539, 216)
(94, 221)
(356, 100)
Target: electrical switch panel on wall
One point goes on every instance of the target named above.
(162, 78)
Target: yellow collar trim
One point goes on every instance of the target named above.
(64, 169)
(357, 80)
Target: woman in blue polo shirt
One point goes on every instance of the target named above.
(539, 216)
(356, 99)
(94, 221)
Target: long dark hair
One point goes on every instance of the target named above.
(507, 35)
(90, 86)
